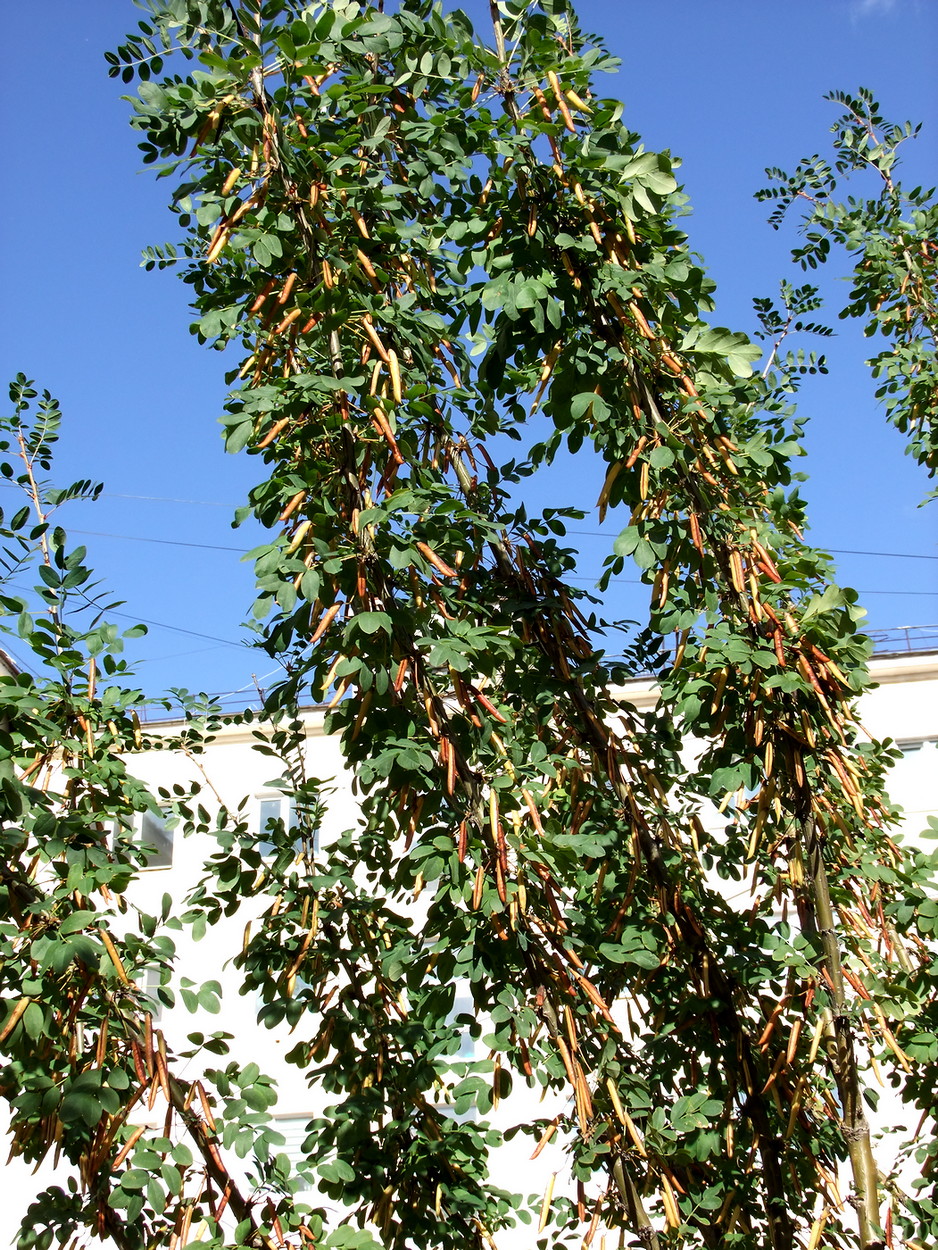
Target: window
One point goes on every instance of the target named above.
(462, 1109)
(463, 1006)
(270, 812)
(154, 832)
(295, 1130)
(152, 982)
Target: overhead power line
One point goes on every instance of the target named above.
(631, 581)
(143, 620)
(140, 538)
(837, 551)
(227, 642)
(619, 581)
(163, 542)
(218, 503)
(110, 494)
(178, 542)
(178, 629)
(895, 555)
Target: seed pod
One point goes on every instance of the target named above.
(326, 621)
(128, 1146)
(614, 1095)
(287, 288)
(450, 766)
(229, 182)
(736, 572)
(719, 687)
(561, 101)
(292, 505)
(262, 295)
(545, 1204)
(379, 347)
(603, 500)
(535, 817)
(640, 321)
(272, 433)
(380, 421)
(360, 223)
(217, 246)
(114, 956)
(546, 1136)
(206, 1107)
(435, 560)
(636, 451)
(779, 649)
(669, 1202)
(394, 368)
(401, 673)
(549, 361)
(817, 1229)
(568, 265)
(15, 1016)
(793, 1041)
(339, 693)
(288, 320)
(369, 269)
(577, 101)
(477, 888)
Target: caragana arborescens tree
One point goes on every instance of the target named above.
(890, 237)
(81, 1058)
(425, 243)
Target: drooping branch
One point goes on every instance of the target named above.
(383, 208)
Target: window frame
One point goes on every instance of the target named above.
(265, 843)
(162, 853)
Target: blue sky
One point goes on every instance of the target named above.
(729, 86)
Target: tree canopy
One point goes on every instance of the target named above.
(440, 258)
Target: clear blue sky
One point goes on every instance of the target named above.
(729, 86)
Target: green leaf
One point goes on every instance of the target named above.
(372, 622)
(627, 541)
(831, 599)
(77, 921)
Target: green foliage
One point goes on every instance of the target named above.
(422, 245)
(78, 1049)
(890, 238)
(427, 247)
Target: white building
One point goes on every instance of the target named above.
(903, 707)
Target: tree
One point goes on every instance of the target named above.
(892, 236)
(426, 245)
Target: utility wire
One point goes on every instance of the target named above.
(177, 542)
(631, 581)
(227, 642)
(17, 660)
(178, 629)
(110, 494)
(143, 620)
(164, 542)
(837, 551)
(895, 555)
(217, 503)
